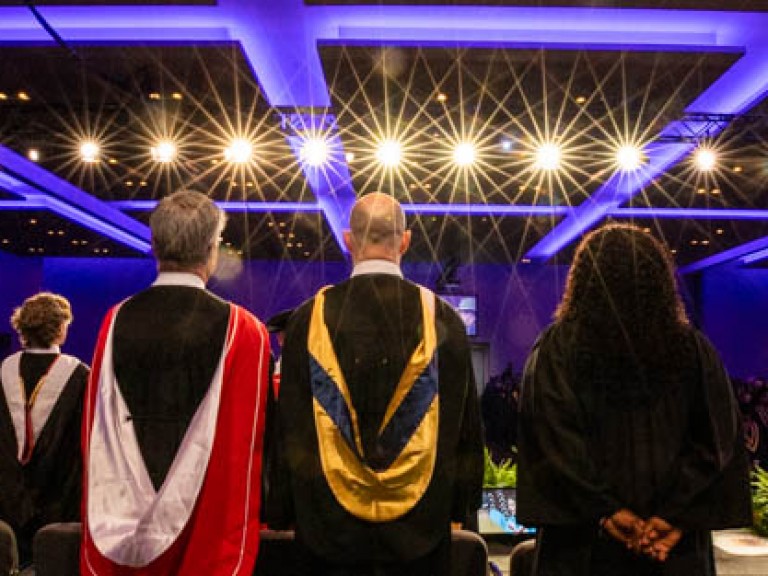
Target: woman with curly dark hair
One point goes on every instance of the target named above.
(629, 443)
(40, 415)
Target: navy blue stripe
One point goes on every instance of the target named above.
(329, 396)
(407, 418)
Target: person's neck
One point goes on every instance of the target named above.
(179, 278)
(199, 271)
(376, 266)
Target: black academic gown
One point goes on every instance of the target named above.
(599, 432)
(374, 322)
(167, 345)
(47, 488)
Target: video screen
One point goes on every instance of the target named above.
(466, 306)
(498, 514)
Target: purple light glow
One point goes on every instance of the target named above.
(466, 210)
(227, 206)
(614, 192)
(696, 213)
(31, 203)
(749, 249)
(755, 256)
(485, 210)
(331, 183)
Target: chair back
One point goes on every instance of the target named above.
(9, 553)
(469, 554)
(56, 549)
(521, 558)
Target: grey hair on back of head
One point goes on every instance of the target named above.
(185, 228)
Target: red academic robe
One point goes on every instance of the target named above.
(218, 533)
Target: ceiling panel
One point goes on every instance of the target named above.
(43, 233)
(128, 99)
(505, 103)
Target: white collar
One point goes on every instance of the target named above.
(49, 350)
(377, 267)
(179, 279)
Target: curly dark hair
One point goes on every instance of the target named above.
(40, 318)
(621, 289)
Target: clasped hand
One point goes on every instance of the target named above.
(654, 537)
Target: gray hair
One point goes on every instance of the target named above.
(185, 229)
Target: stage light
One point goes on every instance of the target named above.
(464, 154)
(239, 151)
(506, 144)
(314, 151)
(548, 156)
(629, 158)
(389, 153)
(705, 159)
(23, 96)
(350, 156)
(89, 151)
(164, 151)
(33, 154)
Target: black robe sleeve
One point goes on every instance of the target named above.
(279, 510)
(711, 488)
(558, 481)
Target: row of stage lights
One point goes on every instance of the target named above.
(316, 152)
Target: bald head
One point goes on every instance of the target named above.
(377, 229)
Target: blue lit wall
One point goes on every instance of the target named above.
(19, 278)
(734, 308)
(514, 303)
(92, 287)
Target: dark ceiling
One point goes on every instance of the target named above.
(129, 97)
(504, 100)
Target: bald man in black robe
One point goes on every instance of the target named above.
(378, 416)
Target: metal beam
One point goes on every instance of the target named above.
(30, 181)
(746, 253)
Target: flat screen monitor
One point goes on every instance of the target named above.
(498, 514)
(466, 306)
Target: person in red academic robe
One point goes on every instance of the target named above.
(40, 417)
(174, 416)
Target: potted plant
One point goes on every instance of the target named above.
(498, 513)
(760, 501)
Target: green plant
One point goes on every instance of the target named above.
(760, 500)
(501, 475)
